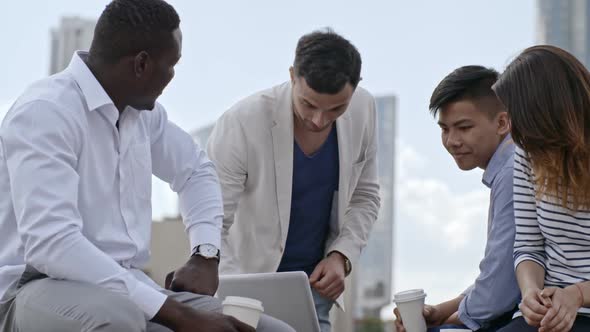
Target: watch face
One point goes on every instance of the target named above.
(208, 250)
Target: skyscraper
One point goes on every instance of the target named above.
(371, 281)
(73, 33)
(374, 273)
(566, 24)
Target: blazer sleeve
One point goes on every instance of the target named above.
(362, 210)
(228, 150)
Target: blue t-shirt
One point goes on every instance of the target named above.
(315, 179)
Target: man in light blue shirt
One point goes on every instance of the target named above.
(475, 130)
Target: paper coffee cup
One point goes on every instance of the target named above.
(410, 304)
(244, 309)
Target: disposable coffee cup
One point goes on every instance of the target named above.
(410, 304)
(244, 309)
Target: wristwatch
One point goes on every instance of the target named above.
(207, 251)
(347, 264)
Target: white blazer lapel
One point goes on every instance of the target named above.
(282, 141)
(343, 126)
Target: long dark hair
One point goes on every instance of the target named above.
(546, 91)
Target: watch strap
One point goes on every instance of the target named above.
(196, 251)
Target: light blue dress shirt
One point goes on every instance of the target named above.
(495, 290)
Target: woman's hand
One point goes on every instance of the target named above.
(534, 306)
(565, 303)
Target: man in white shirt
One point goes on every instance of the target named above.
(77, 152)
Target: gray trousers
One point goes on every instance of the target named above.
(49, 305)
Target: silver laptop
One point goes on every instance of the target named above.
(284, 295)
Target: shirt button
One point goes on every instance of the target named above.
(281, 249)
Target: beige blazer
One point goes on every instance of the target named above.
(252, 148)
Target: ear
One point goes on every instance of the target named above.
(292, 75)
(141, 64)
(503, 121)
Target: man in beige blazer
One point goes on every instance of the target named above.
(298, 170)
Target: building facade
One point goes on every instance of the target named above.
(73, 33)
(374, 278)
(565, 24)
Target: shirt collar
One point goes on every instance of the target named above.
(93, 92)
(503, 152)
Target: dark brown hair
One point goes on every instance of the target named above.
(327, 61)
(466, 83)
(546, 91)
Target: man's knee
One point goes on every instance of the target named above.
(125, 317)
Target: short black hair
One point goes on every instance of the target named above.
(127, 27)
(327, 61)
(467, 82)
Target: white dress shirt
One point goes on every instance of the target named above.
(77, 190)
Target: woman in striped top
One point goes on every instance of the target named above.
(547, 93)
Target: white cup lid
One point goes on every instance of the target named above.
(243, 302)
(409, 295)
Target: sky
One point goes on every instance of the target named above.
(234, 48)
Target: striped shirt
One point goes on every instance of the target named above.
(554, 237)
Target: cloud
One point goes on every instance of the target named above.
(407, 160)
(440, 229)
(432, 204)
